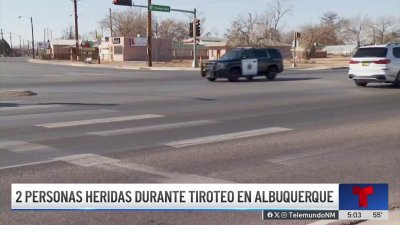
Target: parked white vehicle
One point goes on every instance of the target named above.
(376, 64)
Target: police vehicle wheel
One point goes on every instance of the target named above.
(360, 84)
(397, 82)
(234, 76)
(212, 79)
(272, 72)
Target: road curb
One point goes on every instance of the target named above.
(67, 63)
(316, 68)
(127, 67)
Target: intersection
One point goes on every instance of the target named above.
(99, 125)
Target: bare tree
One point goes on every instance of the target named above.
(68, 33)
(331, 29)
(131, 22)
(386, 30)
(174, 29)
(355, 31)
(277, 10)
(246, 31)
(311, 34)
(259, 30)
(330, 19)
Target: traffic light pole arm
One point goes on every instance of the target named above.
(175, 10)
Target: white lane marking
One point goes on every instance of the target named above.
(22, 146)
(293, 157)
(107, 163)
(28, 164)
(152, 128)
(87, 160)
(94, 74)
(53, 75)
(225, 137)
(28, 107)
(97, 121)
(169, 177)
(57, 114)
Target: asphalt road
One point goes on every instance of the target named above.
(305, 127)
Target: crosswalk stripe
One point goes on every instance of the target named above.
(58, 114)
(225, 137)
(28, 164)
(22, 146)
(102, 162)
(98, 121)
(152, 128)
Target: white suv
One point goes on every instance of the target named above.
(376, 64)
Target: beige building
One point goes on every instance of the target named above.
(134, 49)
(60, 49)
(207, 49)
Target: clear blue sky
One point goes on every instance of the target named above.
(55, 14)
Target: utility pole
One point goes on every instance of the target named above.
(195, 63)
(20, 45)
(149, 36)
(76, 30)
(10, 41)
(374, 36)
(111, 28)
(33, 40)
(1, 32)
(294, 49)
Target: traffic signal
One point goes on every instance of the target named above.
(298, 34)
(123, 2)
(191, 30)
(198, 28)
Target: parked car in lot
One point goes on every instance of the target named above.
(376, 64)
(244, 62)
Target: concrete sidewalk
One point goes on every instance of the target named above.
(142, 66)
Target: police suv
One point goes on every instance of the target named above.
(244, 62)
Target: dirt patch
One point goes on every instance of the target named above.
(332, 62)
(16, 93)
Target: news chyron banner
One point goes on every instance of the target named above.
(275, 201)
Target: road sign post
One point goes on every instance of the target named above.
(163, 8)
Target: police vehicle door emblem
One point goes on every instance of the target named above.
(249, 67)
